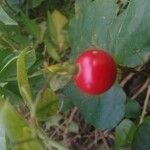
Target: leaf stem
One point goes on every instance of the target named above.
(145, 105)
(125, 68)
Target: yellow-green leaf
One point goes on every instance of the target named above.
(56, 28)
(52, 51)
(47, 105)
(17, 130)
(22, 78)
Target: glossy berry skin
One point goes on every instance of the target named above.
(96, 71)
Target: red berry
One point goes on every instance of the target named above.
(96, 71)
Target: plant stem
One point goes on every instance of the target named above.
(125, 68)
(48, 140)
(145, 105)
(104, 140)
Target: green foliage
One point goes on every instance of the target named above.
(18, 130)
(23, 83)
(133, 109)
(31, 26)
(124, 134)
(47, 106)
(104, 111)
(126, 36)
(141, 138)
(42, 27)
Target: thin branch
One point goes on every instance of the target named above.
(134, 70)
(145, 105)
(104, 140)
(145, 85)
(126, 79)
(68, 122)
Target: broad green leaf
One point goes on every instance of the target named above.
(124, 134)
(18, 130)
(130, 34)
(133, 109)
(91, 24)
(104, 111)
(4, 17)
(126, 37)
(22, 78)
(142, 136)
(56, 29)
(48, 105)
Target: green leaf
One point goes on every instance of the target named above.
(91, 24)
(14, 98)
(4, 17)
(32, 27)
(22, 78)
(17, 130)
(131, 31)
(126, 37)
(104, 111)
(133, 109)
(36, 3)
(142, 136)
(8, 67)
(56, 29)
(124, 134)
(48, 105)
(52, 51)
(59, 81)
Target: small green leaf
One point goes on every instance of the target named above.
(133, 109)
(17, 130)
(32, 27)
(36, 3)
(56, 28)
(124, 134)
(48, 105)
(142, 136)
(59, 81)
(22, 78)
(52, 51)
(103, 111)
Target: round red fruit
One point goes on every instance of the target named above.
(96, 73)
